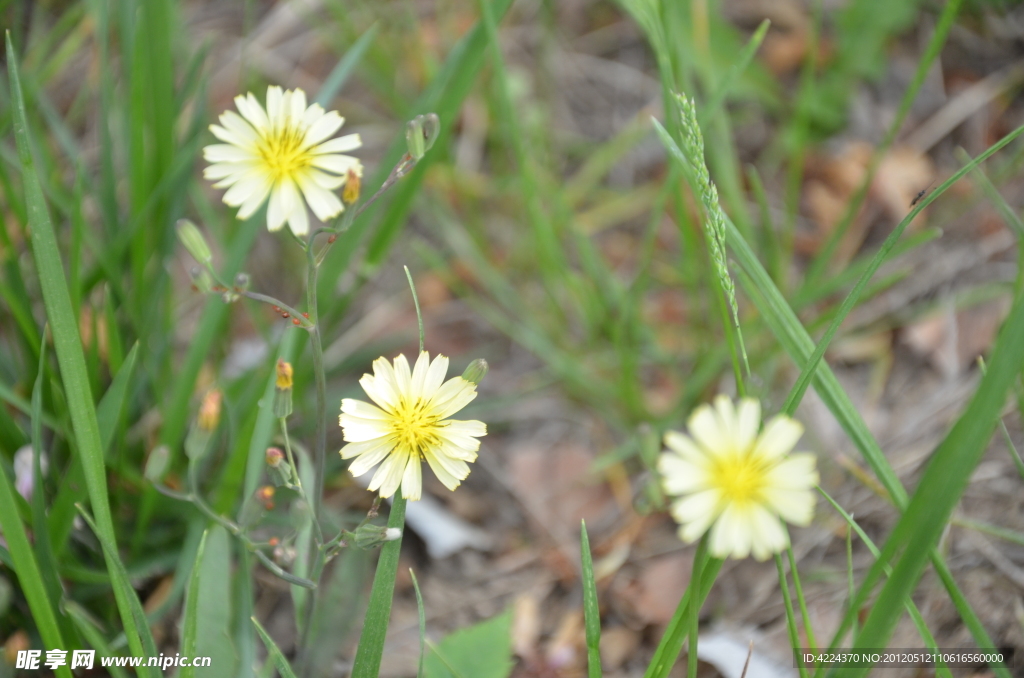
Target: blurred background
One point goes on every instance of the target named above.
(547, 233)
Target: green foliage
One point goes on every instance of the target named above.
(483, 650)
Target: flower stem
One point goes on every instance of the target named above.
(320, 442)
(695, 605)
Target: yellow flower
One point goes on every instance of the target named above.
(410, 424)
(741, 482)
(279, 152)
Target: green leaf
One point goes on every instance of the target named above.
(89, 629)
(279, 659)
(214, 638)
(483, 650)
(375, 623)
(68, 345)
(27, 569)
(343, 69)
(591, 610)
(190, 622)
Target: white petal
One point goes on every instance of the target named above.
(251, 109)
(226, 169)
(679, 476)
(297, 109)
(232, 138)
(362, 409)
(727, 423)
(324, 180)
(435, 377)
(356, 429)
(419, 376)
(255, 199)
(389, 474)
(349, 142)
(369, 453)
(323, 128)
(795, 506)
(275, 105)
(470, 427)
(241, 191)
(780, 435)
(748, 419)
(731, 534)
(403, 375)
(705, 429)
(226, 153)
(455, 394)
(412, 481)
(238, 126)
(448, 470)
(323, 203)
(312, 116)
(795, 472)
(681, 444)
(768, 535)
(275, 213)
(339, 164)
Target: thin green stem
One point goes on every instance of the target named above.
(794, 641)
(812, 642)
(416, 303)
(297, 483)
(320, 442)
(695, 605)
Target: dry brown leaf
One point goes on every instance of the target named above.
(618, 644)
(526, 624)
(902, 174)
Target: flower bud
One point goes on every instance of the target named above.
(476, 371)
(353, 182)
(201, 279)
(265, 496)
(209, 411)
(242, 281)
(370, 536)
(278, 468)
(156, 464)
(420, 134)
(192, 238)
(283, 392)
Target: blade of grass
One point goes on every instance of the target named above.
(92, 635)
(375, 625)
(66, 340)
(343, 69)
(137, 631)
(915, 614)
(808, 371)
(820, 263)
(275, 653)
(27, 569)
(944, 480)
(189, 624)
(591, 610)
(423, 623)
(794, 641)
(725, 85)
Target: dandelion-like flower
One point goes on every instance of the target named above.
(738, 483)
(409, 424)
(282, 151)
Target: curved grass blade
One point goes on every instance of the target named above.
(67, 342)
(92, 635)
(423, 622)
(343, 69)
(27, 569)
(275, 653)
(190, 623)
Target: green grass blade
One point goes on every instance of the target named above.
(423, 623)
(945, 23)
(671, 643)
(915, 614)
(190, 621)
(791, 626)
(343, 69)
(375, 624)
(137, 631)
(798, 344)
(275, 653)
(591, 610)
(92, 635)
(725, 85)
(27, 569)
(944, 481)
(808, 371)
(66, 340)
(444, 97)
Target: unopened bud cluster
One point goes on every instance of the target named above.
(369, 536)
(283, 390)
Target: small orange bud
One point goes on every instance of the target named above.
(209, 411)
(273, 541)
(284, 375)
(265, 496)
(274, 457)
(352, 185)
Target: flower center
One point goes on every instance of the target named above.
(415, 425)
(740, 476)
(283, 151)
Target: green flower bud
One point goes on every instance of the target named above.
(192, 238)
(157, 463)
(420, 134)
(476, 371)
(371, 536)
